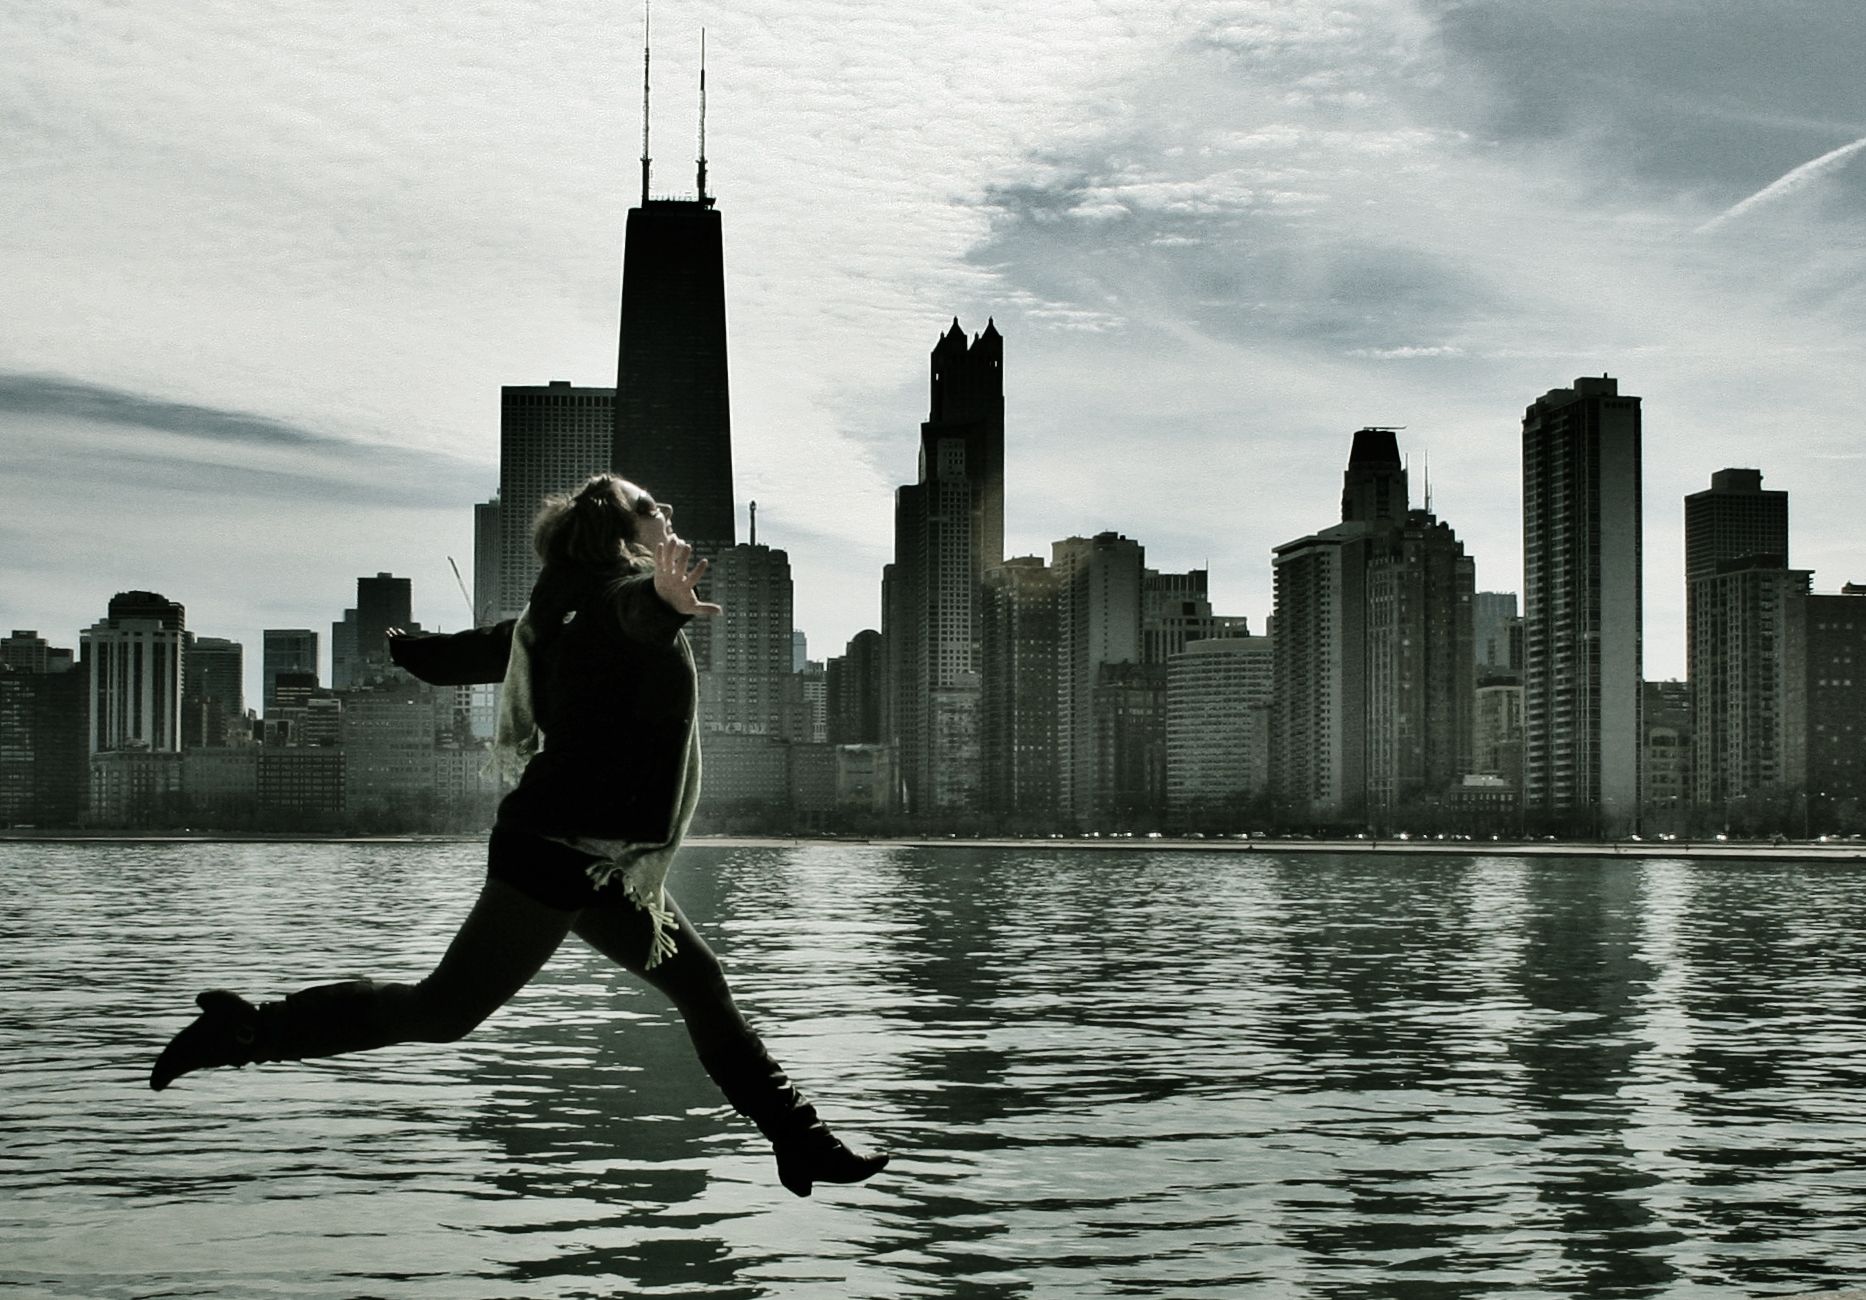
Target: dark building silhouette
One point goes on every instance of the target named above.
(285, 650)
(213, 690)
(551, 437)
(1742, 650)
(1835, 673)
(948, 533)
(1582, 606)
(44, 761)
(854, 687)
(673, 423)
(1667, 771)
(1373, 710)
(1019, 644)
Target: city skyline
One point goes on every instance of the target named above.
(276, 300)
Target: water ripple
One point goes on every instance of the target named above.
(1148, 1074)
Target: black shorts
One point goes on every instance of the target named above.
(548, 872)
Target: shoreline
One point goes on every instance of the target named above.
(1812, 851)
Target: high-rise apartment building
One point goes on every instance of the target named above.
(285, 650)
(551, 438)
(1740, 598)
(1218, 695)
(1669, 786)
(1496, 633)
(1373, 707)
(44, 764)
(1419, 662)
(213, 690)
(948, 532)
(1020, 648)
(1100, 596)
(1582, 610)
(1835, 676)
(747, 686)
(1319, 714)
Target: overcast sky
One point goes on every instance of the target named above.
(267, 267)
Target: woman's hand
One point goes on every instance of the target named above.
(674, 580)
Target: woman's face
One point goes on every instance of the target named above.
(653, 520)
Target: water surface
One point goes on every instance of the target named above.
(1102, 1073)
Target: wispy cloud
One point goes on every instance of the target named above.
(1800, 178)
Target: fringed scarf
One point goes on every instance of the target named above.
(641, 868)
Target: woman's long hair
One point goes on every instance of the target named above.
(591, 528)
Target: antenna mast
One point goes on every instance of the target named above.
(754, 523)
(702, 161)
(645, 32)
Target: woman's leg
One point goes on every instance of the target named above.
(731, 1052)
(500, 946)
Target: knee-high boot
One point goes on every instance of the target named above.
(327, 1020)
(807, 1152)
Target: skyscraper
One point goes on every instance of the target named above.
(551, 438)
(213, 692)
(1740, 598)
(486, 542)
(1100, 596)
(948, 532)
(1218, 693)
(673, 424)
(285, 650)
(1019, 659)
(1582, 606)
(134, 655)
(1373, 661)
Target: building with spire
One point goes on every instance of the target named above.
(1372, 712)
(672, 429)
(948, 533)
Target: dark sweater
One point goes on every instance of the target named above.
(614, 694)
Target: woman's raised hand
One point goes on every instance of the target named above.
(675, 577)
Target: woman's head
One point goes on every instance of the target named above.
(607, 521)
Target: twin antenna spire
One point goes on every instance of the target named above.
(646, 160)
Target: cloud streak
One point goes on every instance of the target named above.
(1800, 178)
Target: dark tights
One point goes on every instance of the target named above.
(502, 943)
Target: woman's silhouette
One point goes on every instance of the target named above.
(600, 704)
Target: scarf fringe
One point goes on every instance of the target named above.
(651, 899)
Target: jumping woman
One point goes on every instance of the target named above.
(600, 705)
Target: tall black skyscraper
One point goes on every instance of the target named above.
(673, 425)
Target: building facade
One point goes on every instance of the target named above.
(948, 533)
(1582, 607)
(133, 657)
(551, 438)
(1020, 652)
(1218, 696)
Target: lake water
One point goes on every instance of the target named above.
(1102, 1073)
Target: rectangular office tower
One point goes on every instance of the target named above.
(551, 438)
(1582, 611)
(673, 424)
(948, 532)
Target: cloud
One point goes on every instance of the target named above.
(66, 432)
(1800, 178)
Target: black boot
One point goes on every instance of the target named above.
(807, 1152)
(323, 1021)
(225, 1034)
